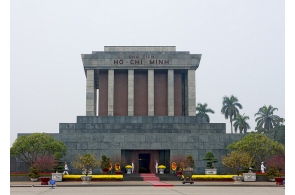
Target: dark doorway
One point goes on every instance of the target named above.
(144, 163)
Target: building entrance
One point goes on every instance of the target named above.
(144, 162)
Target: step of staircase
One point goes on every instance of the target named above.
(160, 177)
(154, 180)
(149, 177)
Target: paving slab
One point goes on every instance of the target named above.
(142, 183)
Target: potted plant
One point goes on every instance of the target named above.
(34, 174)
(177, 164)
(87, 162)
(190, 163)
(117, 168)
(105, 164)
(45, 163)
(209, 158)
(128, 168)
(59, 168)
(236, 160)
(161, 168)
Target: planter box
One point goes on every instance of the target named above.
(210, 171)
(249, 176)
(44, 180)
(179, 173)
(56, 176)
(279, 180)
(86, 179)
(238, 179)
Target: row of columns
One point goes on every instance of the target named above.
(91, 98)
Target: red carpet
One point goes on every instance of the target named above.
(153, 179)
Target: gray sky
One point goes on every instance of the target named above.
(242, 44)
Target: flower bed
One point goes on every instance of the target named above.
(94, 177)
(211, 177)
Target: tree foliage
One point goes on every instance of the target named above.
(266, 118)
(210, 160)
(189, 161)
(277, 133)
(237, 160)
(29, 147)
(241, 124)
(86, 162)
(105, 162)
(203, 110)
(259, 146)
(230, 109)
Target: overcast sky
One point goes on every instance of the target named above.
(242, 44)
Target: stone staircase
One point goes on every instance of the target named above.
(151, 177)
(154, 180)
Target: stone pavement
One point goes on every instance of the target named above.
(141, 183)
(146, 188)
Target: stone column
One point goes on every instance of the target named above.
(191, 93)
(170, 92)
(151, 93)
(110, 92)
(130, 92)
(90, 94)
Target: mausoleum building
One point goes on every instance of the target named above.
(141, 106)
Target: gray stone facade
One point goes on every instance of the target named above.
(178, 134)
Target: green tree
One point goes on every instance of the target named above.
(190, 161)
(210, 159)
(266, 118)
(259, 146)
(29, 148)
(230, 109)
(277, 133)
(241, 124)
(87, 162)
(203, 110)
(237, 160)
(105, 162)
(59, 168)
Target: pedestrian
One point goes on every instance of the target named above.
(132, 164)
(262, 168)
(66, 169)
(156, 166)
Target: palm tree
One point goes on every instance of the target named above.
(203, 110)
(266, 118)
(229, 108)
(241, 124)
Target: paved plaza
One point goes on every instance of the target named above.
(136, 190)
(142, 187)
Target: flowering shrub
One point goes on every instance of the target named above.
(173, 166)
(211, 177)
(128, 167)
(94, 177)
(117, 166)
(162, 167)
(45, 162)
(277, 162)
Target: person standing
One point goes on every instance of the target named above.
(262, 168)
(66, 169)
(132, 164)
(156, 166)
